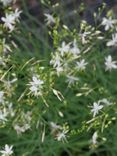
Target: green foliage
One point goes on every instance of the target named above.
(58, 98)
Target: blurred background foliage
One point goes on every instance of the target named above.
(71, 12)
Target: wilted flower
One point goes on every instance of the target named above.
(54, 127)
(105, 101)
(94, 139)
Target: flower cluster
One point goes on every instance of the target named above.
(7, 83)
(75, 87)
(10, 19)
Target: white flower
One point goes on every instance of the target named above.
(27, 116)
(9, 21)
(36, 86)
(61, 136)
(56, 61)
(7, 151)
(94, 138)
(6, 2)
(8, 83)
(1, 96)
(65, 48)
(59, 70)
(49, 19)
(71, 79)
(24, 124)
(108, 23)
(81, 65)
(34, 90)
(16, 14)
(21, 129)
(110, 64)
(75, 50)
(113, 42)
(96, 108)
(36, 81)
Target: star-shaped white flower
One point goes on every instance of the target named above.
(36, 85)
(108, 23)
(113, 42)
(96, 108)
(16, 14)
(75, 50)
(61, 136)
(65, 48)
(56, 61)
(71, 79)
(59, 70)
(9, 21)
(21, 129)
(81, 65)
(49, 19)
(36, 81)
(109, 63)
(7, 151)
